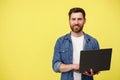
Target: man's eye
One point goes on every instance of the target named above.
(79, 18)
(73, 18)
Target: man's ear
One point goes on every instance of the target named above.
(84, 20)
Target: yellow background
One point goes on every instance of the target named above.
(29, 29)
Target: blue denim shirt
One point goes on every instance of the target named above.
(63, 53)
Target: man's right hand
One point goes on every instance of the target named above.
(75, 67)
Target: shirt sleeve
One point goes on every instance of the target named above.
(56, 57)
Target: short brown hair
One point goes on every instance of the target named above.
(76, 10)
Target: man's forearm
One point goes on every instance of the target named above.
(65, 67)
(68, 67)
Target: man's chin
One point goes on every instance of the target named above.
(76, 31)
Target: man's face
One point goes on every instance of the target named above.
(76, 22)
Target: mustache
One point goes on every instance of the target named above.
(76, 25)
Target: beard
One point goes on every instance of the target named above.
(76, 28)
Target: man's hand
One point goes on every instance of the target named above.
(75, 67)
(91, 73)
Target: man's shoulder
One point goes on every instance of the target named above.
(65, 36)
(89, 37)
(92, 41)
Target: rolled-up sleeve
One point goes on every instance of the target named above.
(56, 67)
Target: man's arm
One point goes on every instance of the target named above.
(68, 67)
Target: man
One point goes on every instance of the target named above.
(68, 47)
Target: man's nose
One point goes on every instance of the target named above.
(76, 21)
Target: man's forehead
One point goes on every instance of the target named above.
(78, 14)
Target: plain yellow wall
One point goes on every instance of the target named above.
(29, 29)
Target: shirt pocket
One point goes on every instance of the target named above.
(64, 54)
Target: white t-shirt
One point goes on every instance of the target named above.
(77, 47)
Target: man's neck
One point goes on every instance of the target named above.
(76, 34)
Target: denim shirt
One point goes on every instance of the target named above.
(63, 53)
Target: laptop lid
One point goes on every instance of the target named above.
(98, 60)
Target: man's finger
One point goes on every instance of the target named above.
(91, 72)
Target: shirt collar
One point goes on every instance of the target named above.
(86, 37)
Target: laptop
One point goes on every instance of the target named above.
(98, 60)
